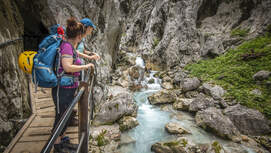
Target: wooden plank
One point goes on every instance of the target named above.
(42, 122)
(44, 137)
(47, 99)
(19, 134)
(34, 138)
(75, 141)
(47, 115)
(48, 109)
(28, 147)
(45, 105)
(32, 99)
(38, 131)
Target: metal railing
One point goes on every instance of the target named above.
(83, 115)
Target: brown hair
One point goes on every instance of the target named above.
(74, 28)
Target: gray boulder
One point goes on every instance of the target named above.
(180, 75)
(191, 94)
(182, 104)
(167, 85)
(162, 97)
(120, 105)
(257, 92)
(216, 91)
(127, 122)
(189, 84)
(261, 75)
(264, 141)
(199, 104)
(182, 145)
(248, 121)
(175, 128)
(175, 146)
(111, 132)
(212, 119)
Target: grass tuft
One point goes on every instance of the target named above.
(239, 32)
(235, 74)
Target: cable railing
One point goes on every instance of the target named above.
(9, 42)
(84, 102)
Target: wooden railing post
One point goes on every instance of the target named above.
(84, 118)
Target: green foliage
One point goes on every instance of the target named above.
(101, 139)
(184, 142)
(239, 32)
(171, 143)
(268, 28)
(123, 34)
(155, 42)
(216, 147)
(235, 74)
(117, 106)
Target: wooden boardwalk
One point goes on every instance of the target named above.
(37, 130)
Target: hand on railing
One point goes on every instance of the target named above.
(89, 66)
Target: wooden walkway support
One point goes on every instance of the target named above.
(37, 130)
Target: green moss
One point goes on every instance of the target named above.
(101, 139)
(239, 32)
(155, 42)
(216, 147)
(235, 74)
(123, 128)
(116, 106)
(171, 143)
(123, 34)
(268, 28)
(184, 142)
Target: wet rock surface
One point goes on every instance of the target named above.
(212, 119)
(175, 128)
(248, 121)
(261, 75)
(201, 103)
(127, 122)
(215, 91)
(112, 110)
(162, 97)
(189, 84)
(182, 104)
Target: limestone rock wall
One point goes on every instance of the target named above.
(14, 96)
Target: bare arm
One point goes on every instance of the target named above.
(68, 66)
(82, 55)
(87, 52)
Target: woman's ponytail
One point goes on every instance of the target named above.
(74, 28)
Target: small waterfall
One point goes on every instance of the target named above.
(141, 66)
(140, 62)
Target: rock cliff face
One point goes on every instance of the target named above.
(174, 33)
(14, 96)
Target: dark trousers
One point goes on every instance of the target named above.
(66, 96)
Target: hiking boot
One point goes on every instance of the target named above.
(66, 143)
(65, 148)
(58, 148)
(70, 146)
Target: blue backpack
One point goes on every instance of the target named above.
(47, 62)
